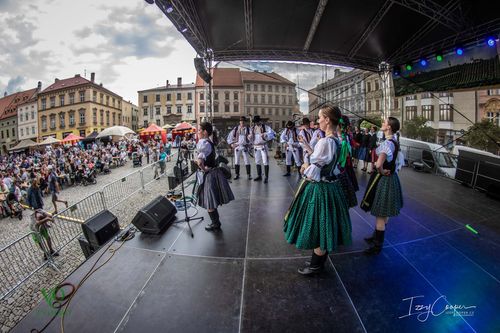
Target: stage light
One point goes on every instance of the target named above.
(439, 57)
(459, 51)
(395, 71)
(184, 30)
(150, 1)
(170, 9)
(423, 62)
(490, 41)
(408, 67)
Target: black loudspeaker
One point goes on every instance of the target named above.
(181, 171)
(199, 65)
(100, 228)
(156, 216)
(87, 249)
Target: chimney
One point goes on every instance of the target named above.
(92, 77)
(337, 72)
(179, 81)
(4, 94)
(39, 87)
(77, 75)
(168, 84)
(100, 84)
(56, 80)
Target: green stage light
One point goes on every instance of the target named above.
(439, 57)
(409, 67)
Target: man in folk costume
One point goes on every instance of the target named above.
(305, 134)
(317, 134)
(290, 137)
(259, 136)
(238, 138)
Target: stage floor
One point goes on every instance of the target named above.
(244, 278)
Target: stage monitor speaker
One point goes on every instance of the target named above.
(156, 216)
(100, 228)
(87, 249)
(199, 65)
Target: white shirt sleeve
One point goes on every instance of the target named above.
(324, 153)
(386, 147)
(270, 135)
(230, 136)
(283, 138)
(204, 149)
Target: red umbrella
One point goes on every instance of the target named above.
(183, 126)
(71, 138)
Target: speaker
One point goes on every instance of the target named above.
(180, 171)
(156, 216)
(87, 249)
(100, 228)
(199, 65)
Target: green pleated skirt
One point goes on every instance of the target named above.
(388, 199)
(318, 217)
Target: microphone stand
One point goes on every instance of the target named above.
(186, 219)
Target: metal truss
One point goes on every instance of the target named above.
(314, 25)
(434, 11)
(249, 23)
(299, 56)
(369, 29)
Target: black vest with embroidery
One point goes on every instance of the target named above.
(210, 159)
(328, 170)
(392, 164)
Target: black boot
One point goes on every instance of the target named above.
(215, 225)
(370, 239)
(259, 173)
(316, 266)
(248, 171)
(288, 170)
(377, 244)
(237, 171)
(266, 173)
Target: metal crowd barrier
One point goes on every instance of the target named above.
(23, 257)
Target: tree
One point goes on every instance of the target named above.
(416, 128)
(484, 135)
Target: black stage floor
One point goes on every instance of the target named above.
(244, 278)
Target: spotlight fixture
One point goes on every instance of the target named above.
(395, 71)
(150, 1)
(170, 9)
(459, 51)
(490, 41)
(183, 30)
(408, 67)
(439, 57)
(423, 62)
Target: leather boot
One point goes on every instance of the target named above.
(370, 239)
(248, 171)
(315, 267)
(266, 173)
(288, 170)
(215, 225)
(377, 244)
(237, 171)
(259, 173)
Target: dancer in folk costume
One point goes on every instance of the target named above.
(318, 217)
(317, 134)
(238, 138)
(383, 197)
(290, 137)
(305, 134)
(259, 136)
(213, 188)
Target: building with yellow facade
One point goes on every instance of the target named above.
(77, 105)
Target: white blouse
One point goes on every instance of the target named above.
(204, 149)
(324, 152)
(387, 147)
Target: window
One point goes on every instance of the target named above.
(276, 99)
(494, 117)
(179, 109)
(52, 101)
(190, 96)
(169, 97)
(94, 96)
(411, 112)
(169, 109)
(248, 98)
(22, 132)
(82, 117)
(255, 99)
(396, 103)
(145, 109)
(32, 115)
(262, 87)
(158, 122)
(107, 118)
(107, 100)
(144, 99)
(445, 94)
(72, 118)
(411, 97)
(44, 103)
(202, 108)
(114, 118)
(52, 121)
(289, 99)
(426, 95)
(189, 109)
(145, 123)
(270, 88)
(102, 116)
(26, 116)
(61, 100)
(94, 116)
(377, 105)
(377, 85)
(202, 96)
(368, 86)
(101, 97)
(157, 97)
(247, 87)
(283, 89)
(428, 112)
(236, 107)
(44, 124)
(157, 110)
(33, 130)
(82, 96)
(445, 112)
(216, 96)
(216, 107)
(262, 99)
(369, 106)
(226, 108)
(235, 95)
(226, 95)
(61, 120)
(254, 87)
(269, 111)
(114, 102)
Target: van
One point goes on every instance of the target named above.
(429, 157)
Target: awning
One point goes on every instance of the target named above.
(23, 144)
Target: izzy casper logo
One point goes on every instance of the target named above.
(421, 310)
(51, 300)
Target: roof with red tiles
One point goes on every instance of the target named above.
(223, 77)
(8, 104)
(71, 82)
(270, 77)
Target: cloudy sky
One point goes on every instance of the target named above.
(129, 44)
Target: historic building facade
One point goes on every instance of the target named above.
(27, 117)
(77, 105)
